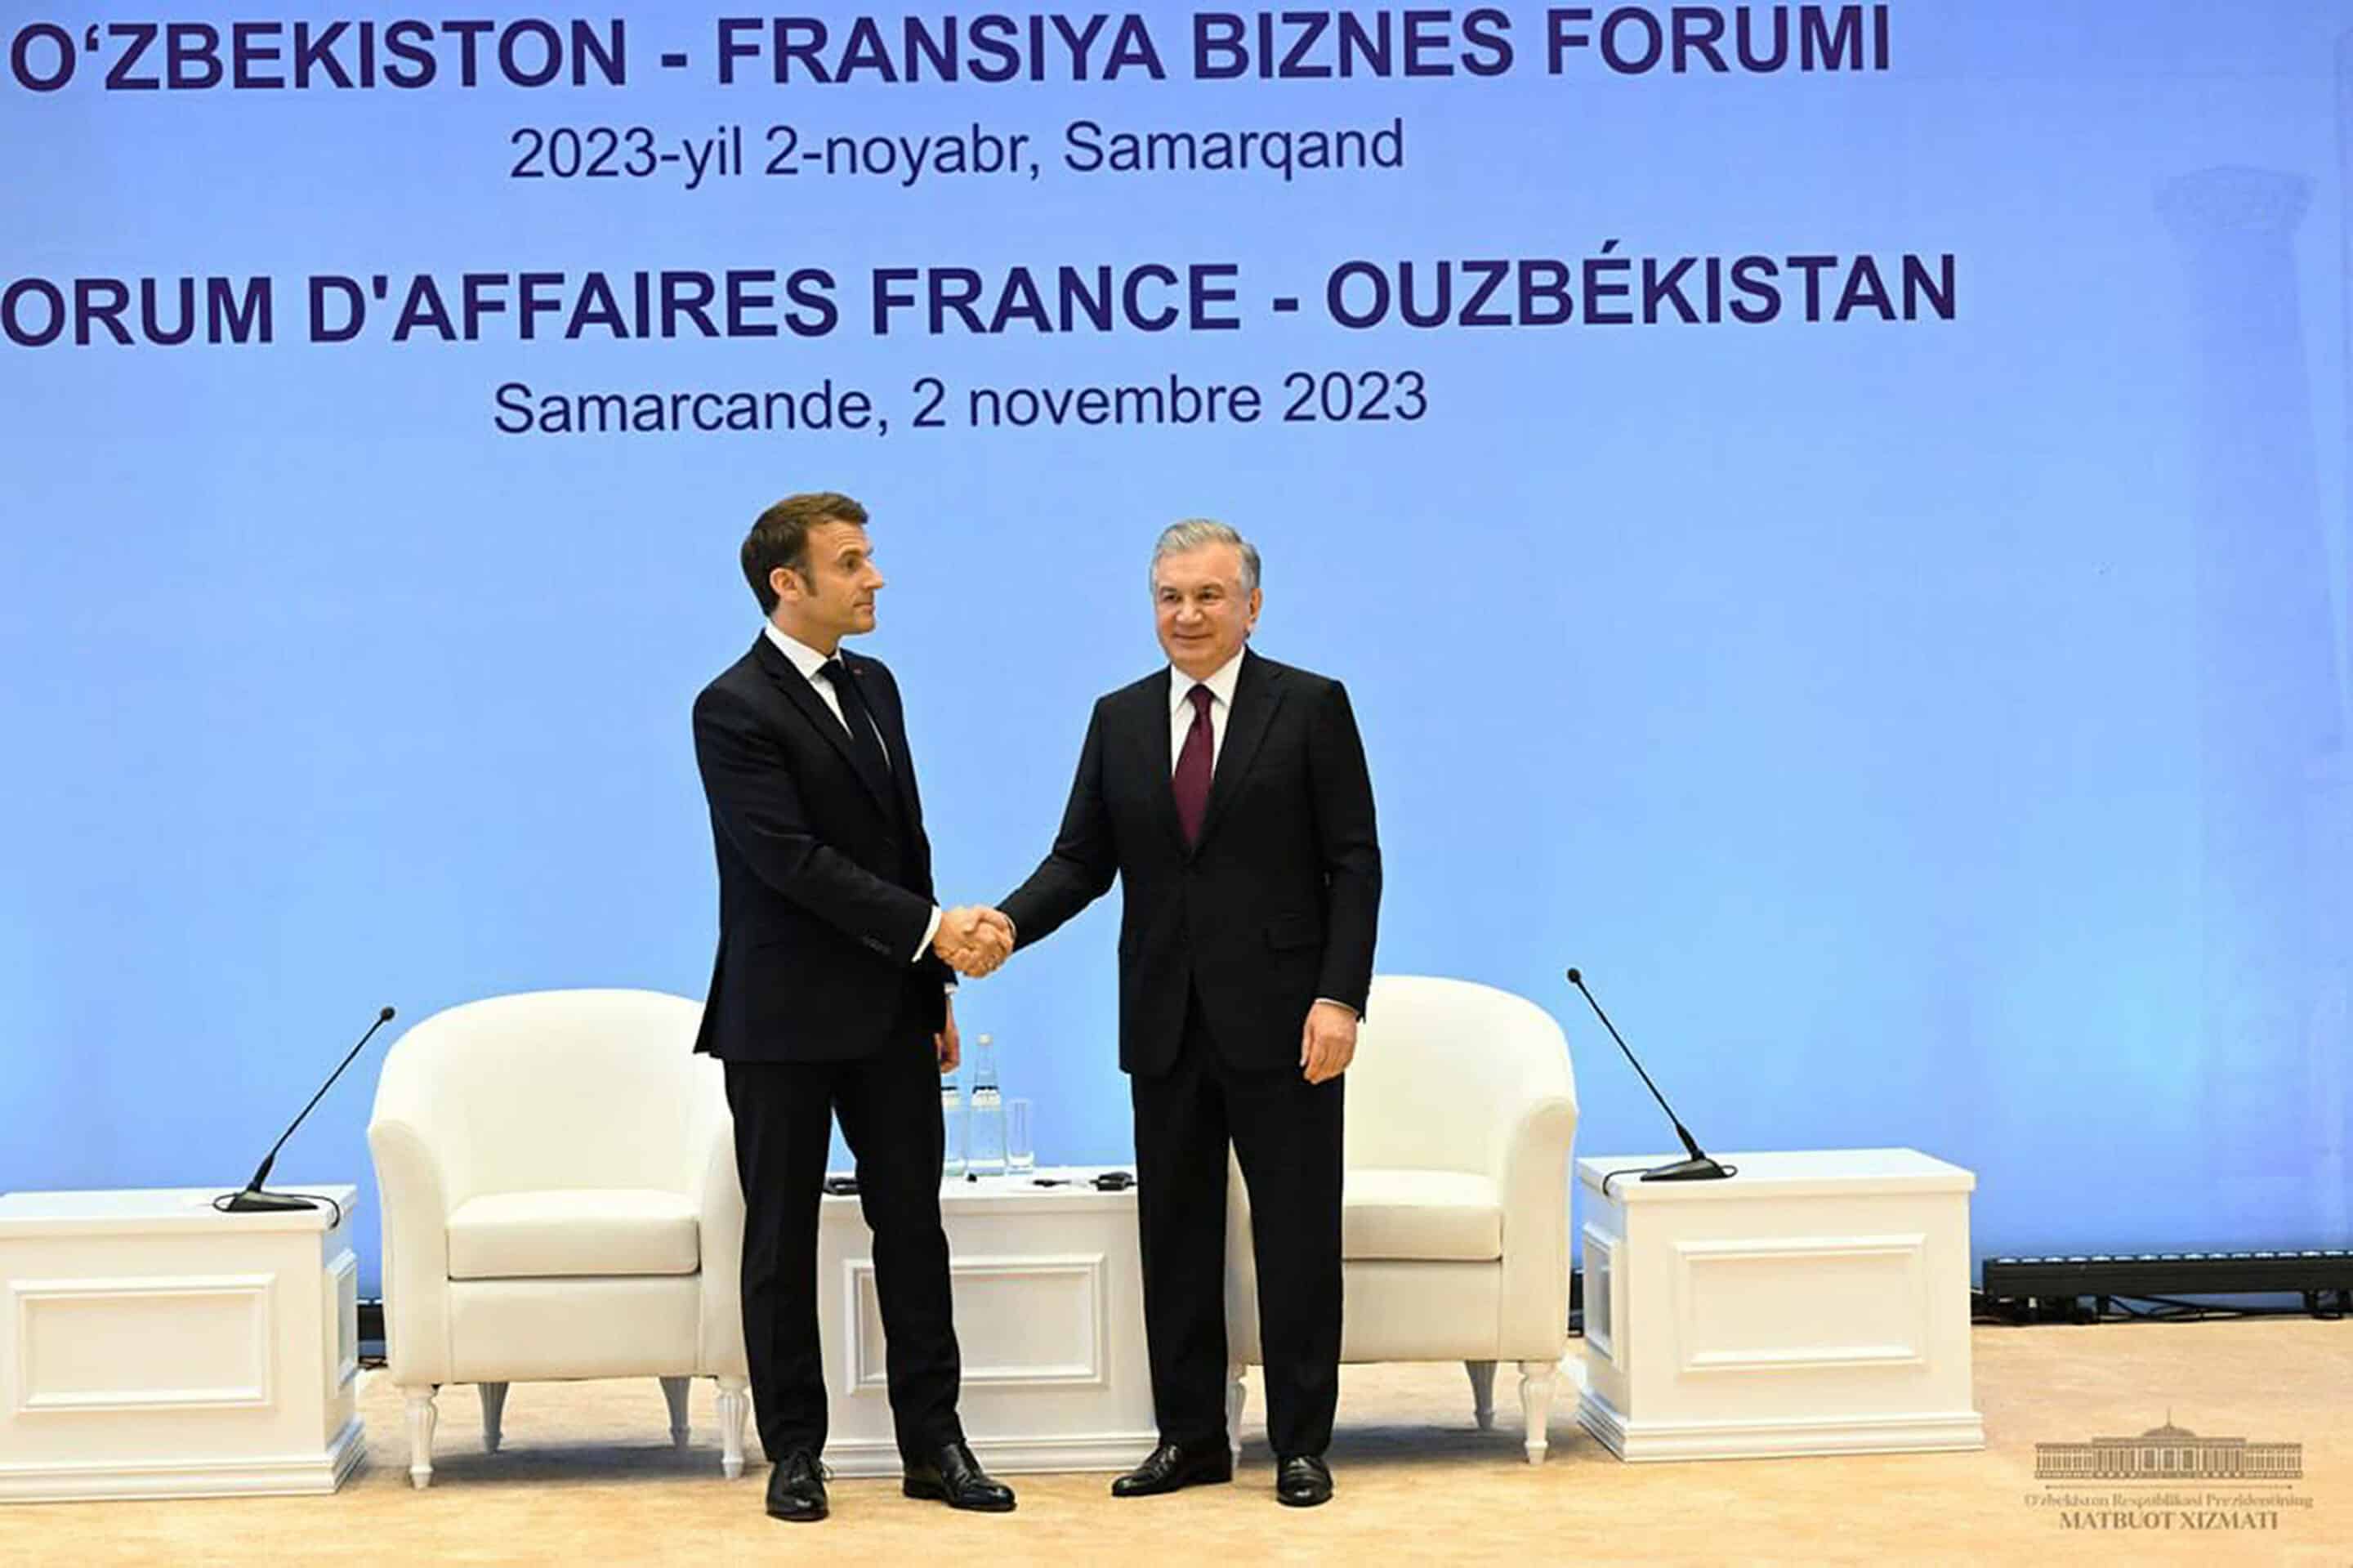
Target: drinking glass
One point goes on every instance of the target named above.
(953, 1117)
(1019, 1154)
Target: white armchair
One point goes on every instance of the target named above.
(558, 1172)
(1454, 1220)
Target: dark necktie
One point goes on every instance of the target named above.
(1192, 780)
(857, 720)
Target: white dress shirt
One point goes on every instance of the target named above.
(811, 664)
(1180, 709)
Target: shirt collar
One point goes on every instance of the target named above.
(806, 659)
(1221, 682)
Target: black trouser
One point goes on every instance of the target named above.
(1286, 1133)
(889, 1110)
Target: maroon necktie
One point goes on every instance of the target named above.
(1191, 780)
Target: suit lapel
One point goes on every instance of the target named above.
(802, 695)
(1152, 712)
(1256, 694)
(893, 727)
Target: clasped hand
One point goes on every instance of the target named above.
(974, 939)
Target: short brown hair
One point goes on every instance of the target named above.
(779, 537)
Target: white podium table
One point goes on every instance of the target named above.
(151, 1346)
(1049, 1320)
(1815, 1303)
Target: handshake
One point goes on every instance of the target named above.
(973, 940)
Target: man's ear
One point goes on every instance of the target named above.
(784, 583)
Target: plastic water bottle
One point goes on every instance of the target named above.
(952, 1125)
(984, 1151)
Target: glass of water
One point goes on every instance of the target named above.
(1020, 1153)
(953, 1120)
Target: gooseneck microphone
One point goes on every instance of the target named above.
(1698, 1167)
(252, 1200)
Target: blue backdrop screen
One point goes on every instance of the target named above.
(1833, 519)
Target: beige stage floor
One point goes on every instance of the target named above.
(588, 1476)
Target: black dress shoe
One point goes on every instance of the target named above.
(953, 1477)
(796, 1489)
(1170, 1468)
(1302, 1481)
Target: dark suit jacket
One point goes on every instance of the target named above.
(1277, 904)
(825, 875)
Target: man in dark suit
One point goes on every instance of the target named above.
(1229, 794)
(828, 997)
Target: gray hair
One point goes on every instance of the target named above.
(1195, 532)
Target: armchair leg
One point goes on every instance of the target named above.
(494, 1409)
(1535, 1403)
(421, 1417)
(1234, 1393)
(735, 1404)
(674, 1390)
(1483, 1392)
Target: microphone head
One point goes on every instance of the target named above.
(1575, 978)
(385, 1017)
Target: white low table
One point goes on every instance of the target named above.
(1815, 1303)
(1049, 1316)
(151, 1346)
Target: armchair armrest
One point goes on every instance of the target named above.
(413, 1188)
(1534, 1186)
(718, 1194)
